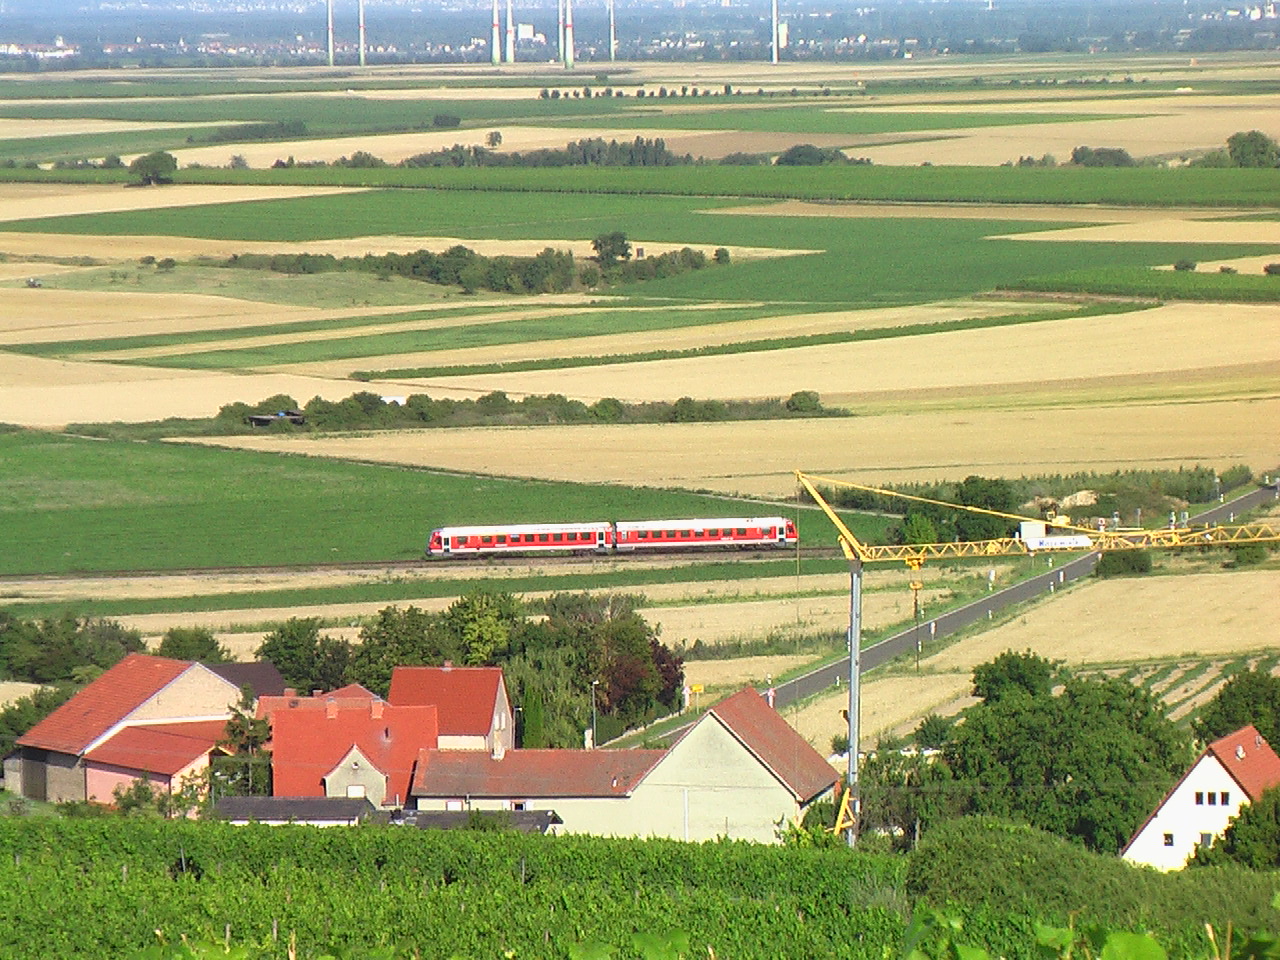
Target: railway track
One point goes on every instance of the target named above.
(438, 563)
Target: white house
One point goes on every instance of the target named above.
(1229, 773)
(735, 773)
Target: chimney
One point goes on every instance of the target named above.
(448, 665)
(375, 709)
(316, 693)
(290, 692)
(331, 709)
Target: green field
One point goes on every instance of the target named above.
(866, 261)
(70, 505)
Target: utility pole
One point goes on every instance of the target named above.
(853, 798)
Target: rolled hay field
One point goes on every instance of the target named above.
(1204, 617)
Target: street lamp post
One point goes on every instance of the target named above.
(594, 684)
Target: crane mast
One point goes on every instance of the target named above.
(1073, 539)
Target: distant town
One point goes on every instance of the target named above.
(131, 33)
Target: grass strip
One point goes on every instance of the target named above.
(62, 348)
(1160, 284)
(394, 592)
(570, 325)
(1119, 186)
(752, 346)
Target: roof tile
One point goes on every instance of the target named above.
(1248, 757)
(465, 696)
(103, 703)
(159, 748)
(775, 744)
(532, 773)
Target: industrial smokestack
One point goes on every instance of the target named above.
(511, 35)
(613, 35)
(775, 31)
(362, 33)
(568, 34)
(495, 38)
(329, 4)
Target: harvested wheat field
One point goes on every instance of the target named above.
(888, 704)
(759, 458)
(1109, 621)
(1167, 230)
(13, 690)
(395, 147)
(1131, 619)
(29, 201)
(679, 338)
(1162, 127)
(729, 675)
(101, 393)
(715, 623)
(1170, 338)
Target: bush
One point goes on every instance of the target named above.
(1184, 265)
(1272, 269)
(445, 120)
(1123, 563)
(1029, 873)
(1247, 555)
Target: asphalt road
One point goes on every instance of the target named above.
(1064, 571)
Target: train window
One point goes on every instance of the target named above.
(644, 534)
(558, 537)
(486, 539)
(713, 533)
(686, 534)
(742, 531)
(542, 538)
(501, 538)
(459, 540)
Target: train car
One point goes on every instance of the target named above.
(632, 535)
(520, 538)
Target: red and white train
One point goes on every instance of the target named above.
(622, 536)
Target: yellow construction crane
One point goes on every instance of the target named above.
(1057, 535)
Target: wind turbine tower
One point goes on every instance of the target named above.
(495, 38)
(329, 5)
(361, 32)
(568, 34)
(560, 30)
(511, 35)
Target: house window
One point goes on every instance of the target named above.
(1206, 839)
(1212, 798)
(1168, 839)
(1224, 798)
(355, 791)
(453, 804)
(518, 805)
(1199, 798)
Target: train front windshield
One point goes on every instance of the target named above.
(436, 543)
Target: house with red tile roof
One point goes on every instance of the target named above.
(143, 694)
(163, 754)
(472, 703)
(352, 695)
(1231, 772)
(363, 749)
(736, 772)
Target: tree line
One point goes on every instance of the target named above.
(368, 411)
(556, 656)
